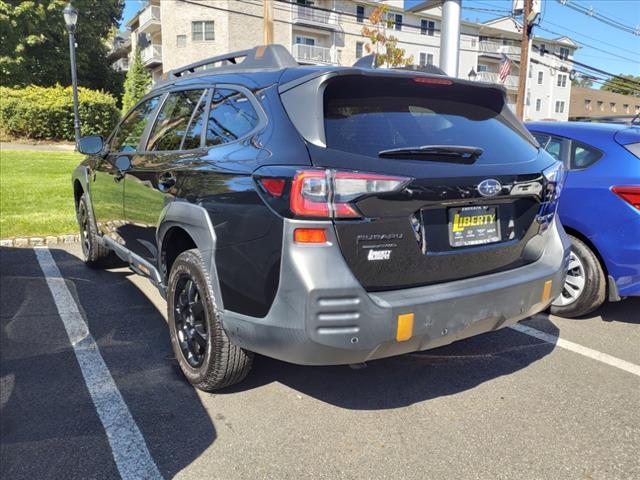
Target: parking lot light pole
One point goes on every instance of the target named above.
(70, 19)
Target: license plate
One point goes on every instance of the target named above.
(473, 226)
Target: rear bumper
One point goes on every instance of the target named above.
(322, 316)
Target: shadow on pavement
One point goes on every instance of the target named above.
(401, 381)
(50, 428)
(619, 311)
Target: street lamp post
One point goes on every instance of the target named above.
(70, 19)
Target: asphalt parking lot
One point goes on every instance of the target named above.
(502, 405)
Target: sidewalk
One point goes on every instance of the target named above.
(40, 147)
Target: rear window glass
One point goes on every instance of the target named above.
(367, 115)
(583, 156)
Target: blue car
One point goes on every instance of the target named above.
(600, 210)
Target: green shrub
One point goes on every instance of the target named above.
(47, 112)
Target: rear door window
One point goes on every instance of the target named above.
(366, 115)
(127, 137)
(231, 117)
(174, 119)
(583, 156)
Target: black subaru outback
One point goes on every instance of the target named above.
(323, 215)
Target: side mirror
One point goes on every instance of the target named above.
(90, 145)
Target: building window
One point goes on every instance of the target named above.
(600, 105)
(559, 106)
(587, 104)
(538, 104)
(562, 81)
(181, 41)
(482, 68)
(543, 49)
(202, 31)
(613, 107)
(540, 77)
(359, 47)
(626, 107)
(426, 59)
(360, 14)
(396, 19)
(301, 40)
(564, 53)
(427, 27)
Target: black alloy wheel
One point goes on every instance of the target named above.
(190, 322)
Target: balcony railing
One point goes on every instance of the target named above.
(149, 17)
(309, 14)
(151, 54)
(314, 54)
(498, 48)
(492, 77)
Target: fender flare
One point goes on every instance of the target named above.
(194, 220)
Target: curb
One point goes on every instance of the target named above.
(39, 241)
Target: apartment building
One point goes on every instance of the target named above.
(173, 33)
(590, 103)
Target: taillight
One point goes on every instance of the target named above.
(329, 193)
(553, 181)
(630, 194)
(275, 186)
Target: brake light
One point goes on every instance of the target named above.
(275, 186)
(329, 193)
(553, 181)
(630, 194)
(433, 81)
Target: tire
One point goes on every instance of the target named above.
(584, 272)
(204, 352)
(95, 253)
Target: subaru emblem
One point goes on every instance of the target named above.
(489, 187)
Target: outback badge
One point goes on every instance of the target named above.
(489, 187)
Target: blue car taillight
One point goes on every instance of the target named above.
(553, 181)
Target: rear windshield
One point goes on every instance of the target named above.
(364, 115)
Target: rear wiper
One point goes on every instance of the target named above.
(461, 153)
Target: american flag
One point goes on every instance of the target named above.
(505, 68)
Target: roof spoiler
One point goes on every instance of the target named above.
(265, 56)
(369, 61)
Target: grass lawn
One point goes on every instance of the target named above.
(36, 197)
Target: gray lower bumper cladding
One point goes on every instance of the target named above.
(322, 316)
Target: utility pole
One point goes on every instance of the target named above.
(450, 36)
(527, 25)
(267, 16)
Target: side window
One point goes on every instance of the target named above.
(541, 138)
(583, 156)
(128, 135)
(231, 117)
(554, 148)
(174, 119)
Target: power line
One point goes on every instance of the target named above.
(590, 12)
(593, 47)
(634, 52)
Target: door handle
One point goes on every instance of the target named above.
(166, 181)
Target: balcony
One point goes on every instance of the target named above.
(497, 49)
(149, 19)
(303, 14)
(314, 54)
(491, 77)
(151, 55)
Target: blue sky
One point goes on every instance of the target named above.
(563, 20)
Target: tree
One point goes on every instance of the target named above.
(582, 81)
(629, 87)
(137, 83)
(34, 46)
(392, 55)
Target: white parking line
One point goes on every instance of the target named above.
(574, 347)
(129, 449)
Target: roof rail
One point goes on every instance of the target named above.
(265, 56)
